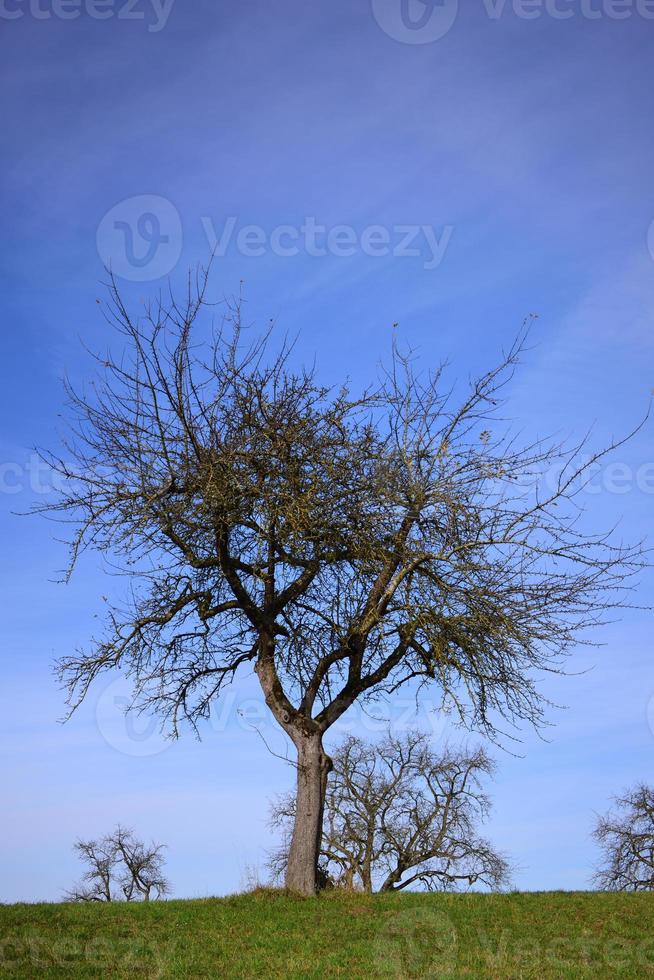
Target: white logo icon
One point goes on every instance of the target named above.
(140, 238)
(127, 731)
(415, 21)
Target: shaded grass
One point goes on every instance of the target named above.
(270, 934)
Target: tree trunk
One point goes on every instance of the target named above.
(313, 766)
(393, 880)
(366, 867)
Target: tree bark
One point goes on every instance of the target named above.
(313, 766)
(366, 867)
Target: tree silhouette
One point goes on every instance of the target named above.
(120, 867)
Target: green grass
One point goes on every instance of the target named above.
(269, 934)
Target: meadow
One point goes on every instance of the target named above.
(268, 934)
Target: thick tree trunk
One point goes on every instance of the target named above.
(312, 771)
(393, 880)
(366, 867)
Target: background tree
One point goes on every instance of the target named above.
(399, 814)
(120, 867)
(626, 836)
(340, 545)
(98, 882)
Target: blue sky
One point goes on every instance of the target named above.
(512, 155)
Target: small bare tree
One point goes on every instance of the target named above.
(98, 882)
(339, 544)
(626, 836)
(398, 814)
(120, 867)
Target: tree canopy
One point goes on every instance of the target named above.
(339, 543)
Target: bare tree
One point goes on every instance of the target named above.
(142, 867)
(98, 881)
(340, 545)
(120, 867)
(399, 814)
(626, 836)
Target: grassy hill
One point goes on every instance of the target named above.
(268, 934)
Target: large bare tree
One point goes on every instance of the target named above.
(398, 814)
(626, 837)
(120, 867)
(339, 544)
